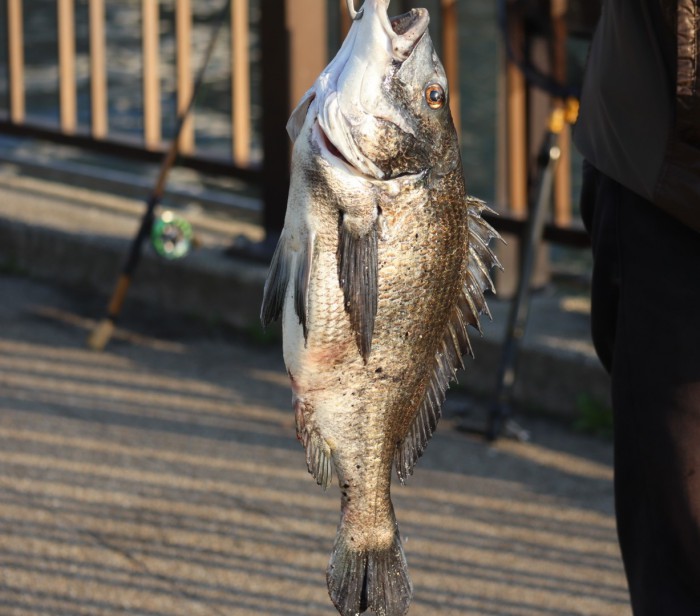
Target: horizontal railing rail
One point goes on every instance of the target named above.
(250, 84)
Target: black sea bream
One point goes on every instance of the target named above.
(381, 266)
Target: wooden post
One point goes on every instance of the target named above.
(562, 181)
(68, 105)
(185, 86)
(240, 86)
(151, 74)
(307, 23)
(15, 39)
(450, 53)
(274, 45)
(98, 71)
(345, 22)
(512, 165)
(516, 101)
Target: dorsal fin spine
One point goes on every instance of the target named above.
(455, 342)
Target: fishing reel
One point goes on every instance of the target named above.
(171, 236)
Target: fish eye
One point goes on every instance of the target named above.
(435, 96)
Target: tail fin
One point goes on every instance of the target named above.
(375, 579)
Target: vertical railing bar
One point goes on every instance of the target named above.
(151, 73)
(240, 84)
(99, 123)
(562, 174)
(345, 22)
(68, 104)
(450, 46)
(517, 139)
(183, 21)
(562, 182)
(15, 48)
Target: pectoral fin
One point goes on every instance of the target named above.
(298, 116)
(357, 274)
(292, 261)
(303, 264)
(276, 283)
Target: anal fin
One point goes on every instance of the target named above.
(318, 453)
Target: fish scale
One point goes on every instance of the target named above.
(382, 263)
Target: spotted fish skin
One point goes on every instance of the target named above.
(381, 267)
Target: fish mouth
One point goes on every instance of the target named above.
(405, 31)
(401, 24)
(411, 25)
(350, 89)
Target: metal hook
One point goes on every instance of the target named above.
(354, 15)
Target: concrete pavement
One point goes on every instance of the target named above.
(162, 478)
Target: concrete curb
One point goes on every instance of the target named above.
(554, 371)
(204, 284)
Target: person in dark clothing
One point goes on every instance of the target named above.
(639, 132)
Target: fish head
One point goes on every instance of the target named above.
(380, 109)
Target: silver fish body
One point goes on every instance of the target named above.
(380, 268)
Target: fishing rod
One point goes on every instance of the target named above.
(565, 112)
(101, 335)
(500, 416)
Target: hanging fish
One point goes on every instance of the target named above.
(381, 266)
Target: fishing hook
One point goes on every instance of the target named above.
(354, 15)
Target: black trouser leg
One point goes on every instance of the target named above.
(646, 328)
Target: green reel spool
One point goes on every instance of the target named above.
(171, 236)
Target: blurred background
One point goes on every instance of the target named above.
(91, 91)
(158, 474)
(122, 77)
